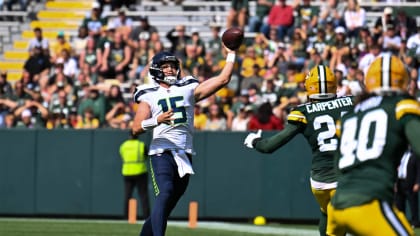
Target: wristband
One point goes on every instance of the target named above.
(149, 123)
(230, 57)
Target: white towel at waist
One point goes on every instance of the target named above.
(183, 163)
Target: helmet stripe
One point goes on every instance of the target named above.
(386, 72)
(322, 80)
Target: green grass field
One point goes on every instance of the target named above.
(50, 227)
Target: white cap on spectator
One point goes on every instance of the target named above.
(341, 67)
(340, 30)
(96, 5)
(388, 11)
(26, 113)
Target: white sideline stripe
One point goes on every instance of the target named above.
(278, 230)
(249, 228)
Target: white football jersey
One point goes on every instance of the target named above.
(180, 98)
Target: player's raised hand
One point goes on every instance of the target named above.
(250, 139)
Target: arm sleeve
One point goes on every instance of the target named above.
(412, 131)
(273, 143)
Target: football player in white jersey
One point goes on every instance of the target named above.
(167, 108)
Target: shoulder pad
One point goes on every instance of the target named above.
(407, 106)
(143, 89)
(297, 116)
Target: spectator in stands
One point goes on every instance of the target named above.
(238, 14)
(178, 41)
(118, 114)
(332, 10)
(78, 43)
(95, 21)
(88, 120)
(62, 103)
(249, 61)
(89, 59)
(115, 59)
(39, 41)
(6, 89)
(269, 92)
(141, 58)
(123, 23)
(391, 41)
(339, 47)
(281, 18)
(197, 41)
(374, 52)
(382, 22)
(37, 63)
(192, 60)
(143, 31)
(406, 25)
(70, 64)
(298, 47)
(213, 44)
(113, 97)
(354, 18)
(155, 42)
(96, 101)
(264, 119)
(262, 10)
(318, 43)
(6, 108)
(59, 80)
(33, 114)
(57, 121)
(255, 78)
(200, 118)
(241, 119)
(306, 13)
(60, 45)
(216, 120)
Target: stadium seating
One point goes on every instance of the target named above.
(16, 55)
(51, 35)
(55, 25)
(69, 5)
(75, 16)
(11, 65)
(13, 76)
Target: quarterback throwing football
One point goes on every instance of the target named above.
(167, 108)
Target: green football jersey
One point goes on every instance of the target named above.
(371, 146)
(317, 122)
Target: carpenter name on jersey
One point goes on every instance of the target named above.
(317, 120)
(329, 105)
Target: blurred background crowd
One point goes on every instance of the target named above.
(86, 81)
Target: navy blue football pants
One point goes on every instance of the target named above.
(169, 188)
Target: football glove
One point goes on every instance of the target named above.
(249, 140)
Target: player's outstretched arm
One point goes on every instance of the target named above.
(210, 86)
(269, 145)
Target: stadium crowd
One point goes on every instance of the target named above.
(86, 81)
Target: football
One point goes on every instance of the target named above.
(233, 38)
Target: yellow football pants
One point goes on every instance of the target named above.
(372, 219)
(323, 197)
